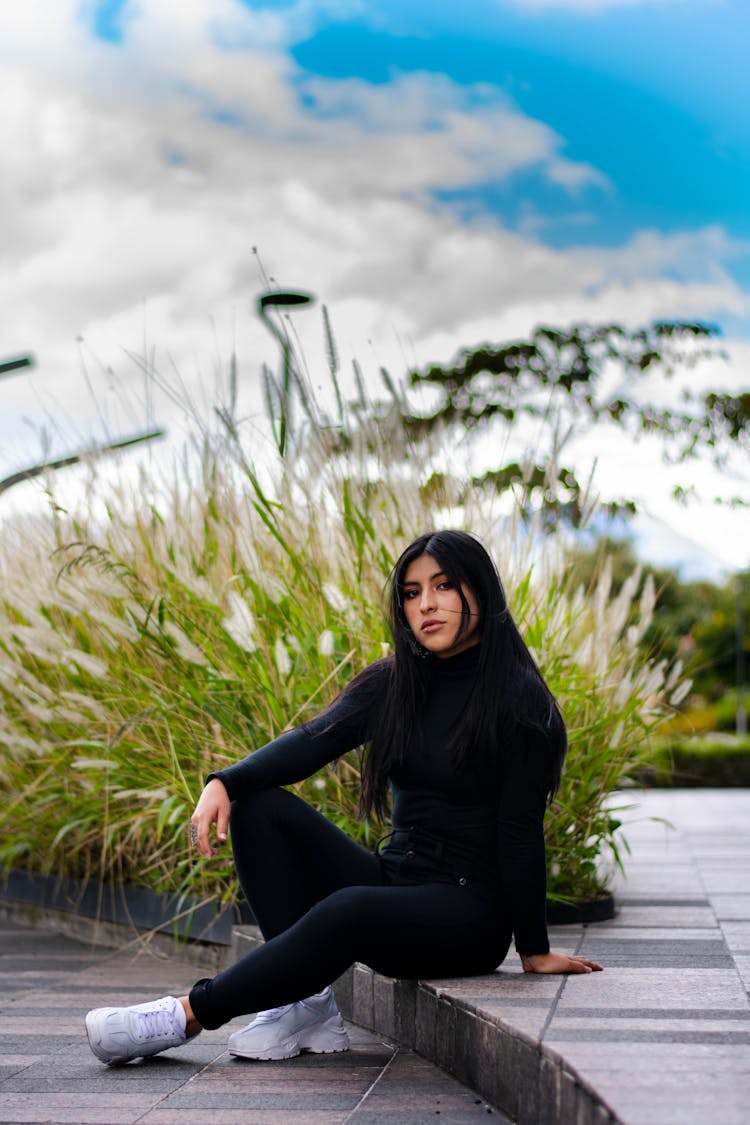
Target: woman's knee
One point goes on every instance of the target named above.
(350, 910)
(262, 805)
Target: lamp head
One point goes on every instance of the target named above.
(9, 365)
(279, 297)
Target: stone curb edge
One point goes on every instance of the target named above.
(529, 1081)
(519, 1075)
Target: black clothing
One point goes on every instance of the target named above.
(463, 826)
(323, 901)
(463, 869)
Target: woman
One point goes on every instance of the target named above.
(464, 733)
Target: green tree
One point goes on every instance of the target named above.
(693, 621)
(562, 373)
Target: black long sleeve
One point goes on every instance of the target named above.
(499, 823)
(299, 753)
(526, 780)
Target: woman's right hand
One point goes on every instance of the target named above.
(558, 963)
(212, 808)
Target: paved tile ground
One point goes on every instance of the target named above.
(48, 1074)
(663, 1034)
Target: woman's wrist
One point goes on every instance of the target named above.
(528, 959)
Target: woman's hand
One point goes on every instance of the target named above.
(212, 808)
(558, 963)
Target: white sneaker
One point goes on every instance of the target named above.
(117, 1035)
(314, 1024)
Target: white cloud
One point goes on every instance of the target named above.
(130, 212)
(574, 175)
(126, 189)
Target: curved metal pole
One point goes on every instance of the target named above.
(74, 458)
(8, 366)
(276, 298)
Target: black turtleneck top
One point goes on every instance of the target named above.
(498, 822)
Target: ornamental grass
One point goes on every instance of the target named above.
(204, 614)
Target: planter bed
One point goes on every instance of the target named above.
(126, 906)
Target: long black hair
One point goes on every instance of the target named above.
(509, 691)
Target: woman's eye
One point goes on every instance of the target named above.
(409, 594)
(446, 585)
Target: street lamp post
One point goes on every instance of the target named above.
(277, 298)
(8, 366)
(75, 458)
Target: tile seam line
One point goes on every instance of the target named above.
(57, 986)
(168, 1093)
(372, 1086)
(559, 991)
(696, 861)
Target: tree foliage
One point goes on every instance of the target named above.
(696, 622)
(567, 373)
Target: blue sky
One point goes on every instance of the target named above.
(438, 174)
(656, 96)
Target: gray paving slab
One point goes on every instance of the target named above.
(615, 931)
(663, 1034)
(48, 1073)
(673, 998)
(666, 882)
(731, 908)
(669, 1059)
(736, 881)
(666, 1040)
(675, 916)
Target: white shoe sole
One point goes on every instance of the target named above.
(320, 1039)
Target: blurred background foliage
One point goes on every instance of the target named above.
(700, 622)
(169, 628)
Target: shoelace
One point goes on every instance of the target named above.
(151, 1024)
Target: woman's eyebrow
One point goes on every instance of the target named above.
(413, 581)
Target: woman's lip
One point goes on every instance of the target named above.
(430, 626)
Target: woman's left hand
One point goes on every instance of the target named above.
(558, 963)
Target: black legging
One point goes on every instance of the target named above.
(323, 902)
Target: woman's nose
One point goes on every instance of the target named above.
(427, 601)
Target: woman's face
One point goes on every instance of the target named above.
(432, 607)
